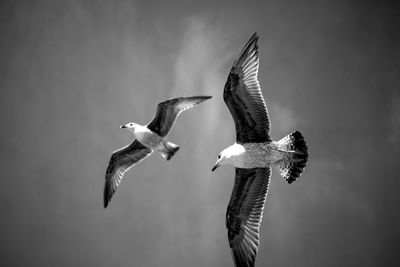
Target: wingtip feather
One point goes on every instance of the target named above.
(254, 36)
(201, 98)
(250, 47)
(106, 196)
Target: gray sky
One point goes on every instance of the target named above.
(71, 72)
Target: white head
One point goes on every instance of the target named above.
(129, 126)
(229, 156)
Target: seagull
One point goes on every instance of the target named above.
(148, 138)
(252, 155)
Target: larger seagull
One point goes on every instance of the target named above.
(148, 138)
(253, 154)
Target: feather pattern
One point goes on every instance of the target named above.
(120, 162)
(242, 95)
(152, 137)
(169, 110)
(244, 213)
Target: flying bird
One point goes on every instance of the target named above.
(148, 138)
(253, 154)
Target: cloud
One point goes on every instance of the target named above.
(283, 119)
(201, 67)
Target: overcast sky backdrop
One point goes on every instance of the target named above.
(71, 72)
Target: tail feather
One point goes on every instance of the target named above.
(295, 158)
(169, 150)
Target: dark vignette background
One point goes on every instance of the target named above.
(71, 72)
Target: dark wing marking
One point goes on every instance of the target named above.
(120, 162)
(244, 213)
(242, 95)
(169, 110)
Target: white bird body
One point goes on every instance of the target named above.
(149, 138)
(253, 155)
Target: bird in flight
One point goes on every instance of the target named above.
(252, 155)
(148, 138)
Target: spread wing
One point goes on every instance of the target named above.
(120, 162)
(244, 213)
(169, 110)
(242, 95)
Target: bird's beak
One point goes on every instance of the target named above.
(123, 126)
(216, 166)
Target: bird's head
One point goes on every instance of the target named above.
(223, 158)
(230, 155)
(129, 126)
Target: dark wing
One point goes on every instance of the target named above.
(169, 110)
(120, 162)
(244, 213)
(242, 95)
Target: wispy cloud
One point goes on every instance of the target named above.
(283, 120)
(200, 68)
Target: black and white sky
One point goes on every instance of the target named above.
(71, 72)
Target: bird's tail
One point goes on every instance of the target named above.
(295, 156)
(169, 150)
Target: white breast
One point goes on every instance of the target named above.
(147, 137)
(237, 155)
(255, 155)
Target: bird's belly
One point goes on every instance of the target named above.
(254, 161)
(149, 139)
(259, 156)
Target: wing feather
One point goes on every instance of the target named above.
(120, 162)
(169, 110)
(243, 96)
(244, 213)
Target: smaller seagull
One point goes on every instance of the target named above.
(253, 154)
(148, 138)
